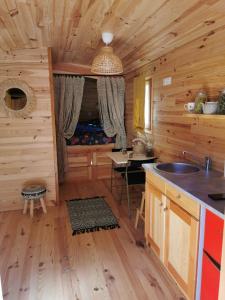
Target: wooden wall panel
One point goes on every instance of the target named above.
(197, 65)
(27, 152)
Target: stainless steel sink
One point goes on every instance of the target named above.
(177, 168)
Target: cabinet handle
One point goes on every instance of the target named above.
(178, 196)
(161, 204)
(165, 209)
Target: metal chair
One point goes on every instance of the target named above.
(117, 169)
(134, 174)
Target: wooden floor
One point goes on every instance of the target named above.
(40, 259)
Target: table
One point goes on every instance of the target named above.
(120, 158)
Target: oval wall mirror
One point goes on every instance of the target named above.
(17, 98)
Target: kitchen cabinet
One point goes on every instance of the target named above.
(155, 212)
(171, 230)
(213, 236)
(222, 271)
(181, 242)
(212, 253)
(210, 279)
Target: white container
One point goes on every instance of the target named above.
(209, 108)
(190, 106)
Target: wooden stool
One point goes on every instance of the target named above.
(140, 211)
(31, 193)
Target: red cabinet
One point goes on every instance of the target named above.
(210, 279)
(211, 256)
(213, 235)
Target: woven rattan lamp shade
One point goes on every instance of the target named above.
(106, 62)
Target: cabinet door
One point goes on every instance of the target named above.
(210, 279)
(181, 247)
(213, 235)
(156, 221)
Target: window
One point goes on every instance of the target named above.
(147, 108)
(142, 103)
(89, 130)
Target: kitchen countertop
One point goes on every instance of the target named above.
(197, 186)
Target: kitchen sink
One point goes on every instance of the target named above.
(177, 168)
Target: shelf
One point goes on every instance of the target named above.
(221, 117)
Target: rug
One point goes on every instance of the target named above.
(90, 214)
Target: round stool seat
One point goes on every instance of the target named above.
(33, 192)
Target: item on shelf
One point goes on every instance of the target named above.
(200, 98)
(221, 103)
(190, 106)
(209, 108)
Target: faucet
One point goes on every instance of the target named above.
(207, 160)
(208, 163)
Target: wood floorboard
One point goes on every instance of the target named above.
(40, 259)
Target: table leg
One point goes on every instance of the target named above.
(43, 205)
(31, 208)
(25, 206)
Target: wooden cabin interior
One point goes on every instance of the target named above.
(166, 239)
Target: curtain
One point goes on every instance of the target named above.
(111, 92)
(139, 102)
(68, 98)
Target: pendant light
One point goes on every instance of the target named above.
(106, 62)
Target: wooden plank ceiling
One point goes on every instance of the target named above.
(143, 29)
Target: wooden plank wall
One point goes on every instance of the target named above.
(26, 144)
(199, 64)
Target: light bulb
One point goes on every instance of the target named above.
(107, 37)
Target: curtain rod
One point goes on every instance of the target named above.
(89, 75)
(68, 74)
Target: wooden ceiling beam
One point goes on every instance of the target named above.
(68, 68)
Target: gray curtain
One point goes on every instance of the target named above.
(111, 92)
(68, 98)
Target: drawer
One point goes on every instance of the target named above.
(191, 206)
(213, 235)
(100, 158)
(79, 160)
(156, 181)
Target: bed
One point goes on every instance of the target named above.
(89, 133)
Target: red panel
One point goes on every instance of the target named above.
(210, 280)
(213, 235)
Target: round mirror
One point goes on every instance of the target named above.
(15, 99)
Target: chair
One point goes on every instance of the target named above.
(134, 174)
(140, 211)
(117, 169)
